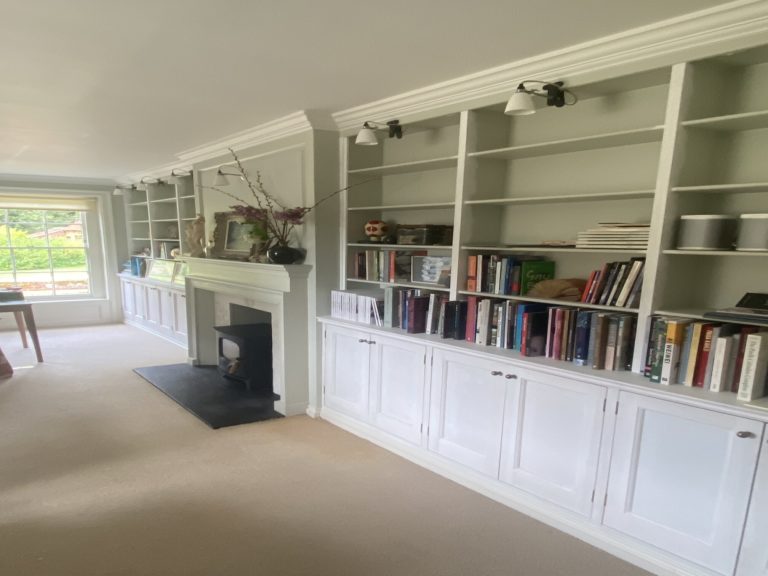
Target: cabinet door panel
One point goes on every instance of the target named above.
(681, 477)
(180, 313)
(346, 371)
(753, 560)
(140, 299)
(154, 305)
(467, 410)
(129, 304)
(552, 437)
(166, 310)
(398, 371)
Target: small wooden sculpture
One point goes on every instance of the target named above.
(195, 233)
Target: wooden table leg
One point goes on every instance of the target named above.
(30, 318)
(22, 328)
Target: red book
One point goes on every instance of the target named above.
(392, 266)
(600, 284)
(587, 286)
(471, 327)
(703, 357)
(472, 273)
(557, 338)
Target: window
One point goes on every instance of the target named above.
(44, 252)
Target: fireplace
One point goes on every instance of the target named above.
(229, 293)
(245, 355)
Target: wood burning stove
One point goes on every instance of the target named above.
(245, 355)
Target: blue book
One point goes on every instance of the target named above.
(581, 346)
(522, 308)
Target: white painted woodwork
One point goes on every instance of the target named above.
(680, 478)
(467, 410)
(753, 560)
(552, 432)
(346, 372)
(155, 307)
(397, 381)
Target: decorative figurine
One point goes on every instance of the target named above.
(195, 233)
(376, 230)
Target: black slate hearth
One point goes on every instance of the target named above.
(215, 400)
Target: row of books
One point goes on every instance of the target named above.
(615, 284)
(365, 307)
(510, 275)
(400, 266)
(716, 357)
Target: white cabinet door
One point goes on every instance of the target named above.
(179, 312)
(140, 301)
(154, 305)
(166, 311)
(680, 478)
(753, 560)
(346, 371)
(552, 431)
(467, 410)
(129, 304)
(398, 372)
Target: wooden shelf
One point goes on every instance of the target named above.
(724, 188)
(187, 197)
(164, 220)
(398, 247)
(138, 221)
(142, 204)
(431, 287)
(591, 197)
(426, 206)
(167, 240)
(552, 249)
(406, 167)
(731, 122)
(140, 239)
(171, 200)
(716, 252)
(550, 301)
(611, 139)
(698, 314)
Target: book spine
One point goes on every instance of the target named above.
(672, 346)
(610, 344)
(752, 381)
(703, 360)
(471, 325)
(472, 273)
(659, 344)
(581, 348)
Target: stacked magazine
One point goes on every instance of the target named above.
(615, 235)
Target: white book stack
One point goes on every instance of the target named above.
(615, 235)
(754, 368)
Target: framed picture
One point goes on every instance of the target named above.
(161, 270)
(434, 270)
(231, 237)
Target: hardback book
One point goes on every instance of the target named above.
(493, 262)
(494, 323)
(632, 276)
(432, 311)
(581, 346)
(685, 353)
(621, 274)
(602, 297)
(522, 308)
(471, 324)
(744, 332)
(611, 342)
(483, 336)
(659, 342)
(417, 314)
(501, 329)
(673, 346)
(722, 365)
(551, 312)
(588, 286)
(601, 337)
(472, 273)
(534, 271)
(633, 300)
(455, 319)
(649, 345)
(534, 333)
(703, 365)
(511, 315)
(565, 334)
(602, 277)
(571, 345)
(753, 372)
(557, 336)
(697, 343)
(592, 336)
(624, 340)
(441, 317)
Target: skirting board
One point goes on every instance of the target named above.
(635, 552)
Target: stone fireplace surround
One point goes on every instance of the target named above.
(212, 285)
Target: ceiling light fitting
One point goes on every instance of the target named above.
(118, 191)
(222, 179)
(521, 102)
(142, 185)
(367, 134)
(176, 174)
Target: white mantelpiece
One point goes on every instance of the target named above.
(279, 290)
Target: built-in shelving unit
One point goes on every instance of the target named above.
(158, 215)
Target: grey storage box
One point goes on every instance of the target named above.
(753, 233)
(706, 232)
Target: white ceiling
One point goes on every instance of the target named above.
(103, 88)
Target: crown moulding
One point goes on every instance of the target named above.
(733, 26)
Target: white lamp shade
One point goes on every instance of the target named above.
(117, 191)
(220, 180)
(366, 137)
(520, 104)
(141, 186)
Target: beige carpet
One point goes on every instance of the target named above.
(101, 474)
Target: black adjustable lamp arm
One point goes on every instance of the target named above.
(552, 91)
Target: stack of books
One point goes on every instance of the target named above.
(365, 307)
(509, 275)
(615, 284)
(709, 355)
(617, 235)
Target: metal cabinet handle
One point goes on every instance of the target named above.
(496, 372)
(744, 434)
(363, 341)
(510, 376)
(371, 342)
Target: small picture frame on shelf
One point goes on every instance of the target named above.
(161, 270)
(434, 270)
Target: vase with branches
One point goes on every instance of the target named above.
(272, 222)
